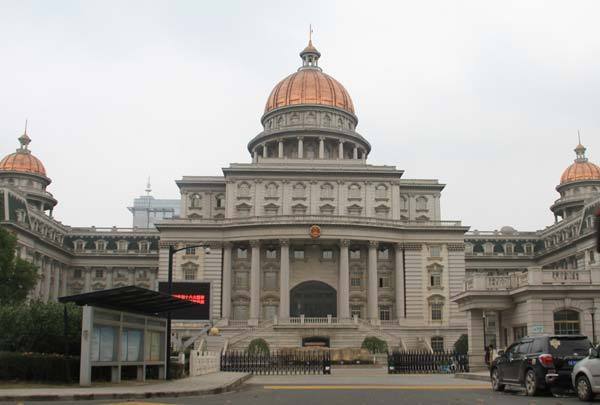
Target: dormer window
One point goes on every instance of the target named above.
(528, 249)
(122, 245)
(144, 246)
(509, 249)
(79, 246)
(196, 201)
(100, 245)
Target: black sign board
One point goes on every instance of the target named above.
(198, 293)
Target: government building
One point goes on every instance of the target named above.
(309, 243)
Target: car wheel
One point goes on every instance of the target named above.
(496, 382)
(583, 388)
(531, 385)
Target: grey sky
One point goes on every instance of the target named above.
(485, 96)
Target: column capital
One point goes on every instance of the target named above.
(321, 138)
(284, 242)
(227, 244)
(373, 243)
(254, 243)
(300, 138)
(341, 141)
(345, 242)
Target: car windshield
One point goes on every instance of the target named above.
(566, 346)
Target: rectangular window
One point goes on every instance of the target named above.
(508, 249)
(101, 245)
(355, 280)
(384, 281)
(385, 314)
(435, 280)
(99, 273)
(144, 247)
(270, 280)
(327, 254)
(242, 253)
(79, 246)
(355, 310)
(519, 332)
(299, 254)
(123, 245)
(437, 344)
(190, 250)
(435, 251)
(355, 254)
(436, 311)
(189, 273)
(271, 254)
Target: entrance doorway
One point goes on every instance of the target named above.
(314, 299)
(315, 341)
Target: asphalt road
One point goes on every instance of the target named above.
(253, 394)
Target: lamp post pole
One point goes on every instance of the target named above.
(172, 251)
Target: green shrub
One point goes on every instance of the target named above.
(258, 346)
(374, 345)
(461, 346)
(38, 327)
(38, 367)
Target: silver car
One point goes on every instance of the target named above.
(586, 376)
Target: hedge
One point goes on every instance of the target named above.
(38, 367)
(258, 346)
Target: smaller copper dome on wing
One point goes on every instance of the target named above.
(22, 160)
(581, 170)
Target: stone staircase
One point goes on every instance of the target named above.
(291, 336)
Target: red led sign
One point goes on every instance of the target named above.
(197, 298)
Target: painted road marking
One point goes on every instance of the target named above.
(378, 387)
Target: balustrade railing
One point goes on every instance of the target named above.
(566, 276)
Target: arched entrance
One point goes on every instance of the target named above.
(313, 298)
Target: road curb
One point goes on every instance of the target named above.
(472, 376)
(130, 395)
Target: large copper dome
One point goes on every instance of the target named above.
(22, 160)
(581, 170)
(309, 85)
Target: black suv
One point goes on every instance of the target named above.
(539, 363)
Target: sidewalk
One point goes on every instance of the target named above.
(477, 376)
(215, 383)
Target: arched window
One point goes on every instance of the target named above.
(299, 190)
(437, 344)
(381, 191)
(195, 201)
(326, 191)
(566, 322)
(271, 190)
(244, 190)
(354, 191)
(403, 203)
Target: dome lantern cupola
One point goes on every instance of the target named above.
(310, 57)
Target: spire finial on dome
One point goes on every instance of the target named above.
(148, 187)
(24, 140)
(580, 150)
(310, 55)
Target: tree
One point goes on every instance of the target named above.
(462, 344)
(17, 276)
(258, 346)
(374, 345)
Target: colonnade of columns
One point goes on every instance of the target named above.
(284, 281)
(356, 149)
(53, 279)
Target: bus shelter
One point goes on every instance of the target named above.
(124, 327)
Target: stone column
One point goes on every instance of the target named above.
(131, 275)
(265, 150)
(344, 284)
(226, 280)
(87, 286)
(280, 148)
(355, 152)
(47, 279)
(399, 282)
(475, 333)
(255, 156)
(341, 150)
(110, 277)
(284, 280)
(363, 154)
(372, 281)
(255, 282)
(300, 147)
(56, 286)
(321, 147)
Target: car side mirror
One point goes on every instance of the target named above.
(593, 353)
(500, 352)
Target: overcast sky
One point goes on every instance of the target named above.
(485, 96)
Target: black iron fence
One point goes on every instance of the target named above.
(298, 362)
(419, 362)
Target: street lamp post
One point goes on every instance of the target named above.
(172, 251)
(592, 310)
